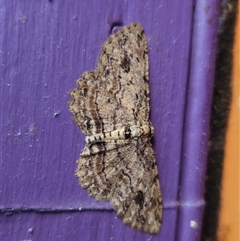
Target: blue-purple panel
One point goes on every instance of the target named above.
(45, 47)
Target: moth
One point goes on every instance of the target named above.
(111, 107)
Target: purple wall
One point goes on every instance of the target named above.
(45, 47)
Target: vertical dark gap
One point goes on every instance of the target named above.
(219, 119)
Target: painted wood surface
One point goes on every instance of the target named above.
(45, 47)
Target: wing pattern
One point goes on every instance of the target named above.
(111, 106)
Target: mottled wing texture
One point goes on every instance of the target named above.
(136, 193)
(111, 106)
(117, 92)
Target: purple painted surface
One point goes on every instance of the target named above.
(85, 225)
(45, 47)
(198, 109)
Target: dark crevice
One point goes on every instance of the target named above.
(219, 120)
(115, 26)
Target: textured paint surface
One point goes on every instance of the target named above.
(47, 46)
(196, 125)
